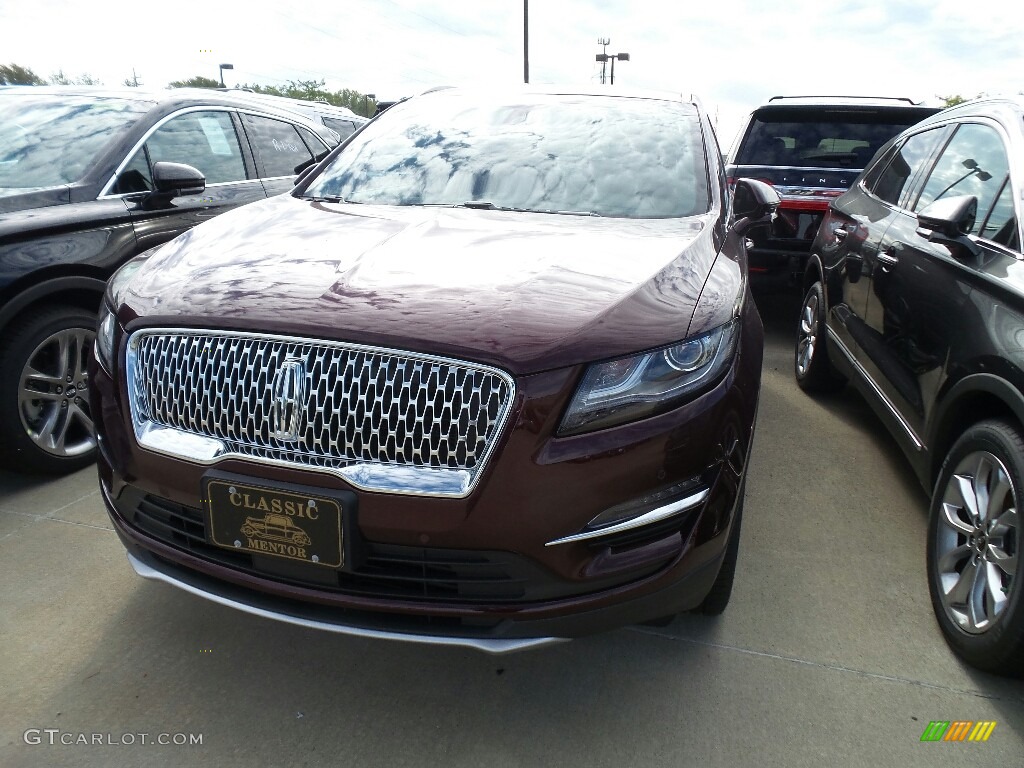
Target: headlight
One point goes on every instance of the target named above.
(631, 388)
(106, 331)
(105, 338)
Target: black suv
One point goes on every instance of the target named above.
(88, 179)
(811, 149)
(915, 293)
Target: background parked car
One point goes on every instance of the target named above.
(810, 148)
(915, 293)
(88, 179)
(341, 120)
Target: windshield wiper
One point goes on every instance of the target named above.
(487, 205)
(328, 199)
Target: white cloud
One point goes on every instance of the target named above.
(733, 53)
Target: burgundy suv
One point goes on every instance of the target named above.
(496, 357)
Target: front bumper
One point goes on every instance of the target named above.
(538, 490)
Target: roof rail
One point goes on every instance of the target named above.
(838, 96)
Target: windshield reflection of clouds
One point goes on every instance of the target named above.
(47, 141)
(611, 156)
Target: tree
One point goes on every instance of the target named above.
(315, 90)
(956, 98)
(196, 82)
(13, 74)
(84, 79)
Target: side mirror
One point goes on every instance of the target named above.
(947, 221)
(753, 202)
(174, 179)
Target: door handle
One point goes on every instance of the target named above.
(839, 233)
(888, 258)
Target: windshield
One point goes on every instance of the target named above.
(608, 156)
(47, 140)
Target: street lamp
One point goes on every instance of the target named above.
(603, 57)
(366, 107)
(222, 68)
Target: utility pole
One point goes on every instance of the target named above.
(605, 57)
(604, 42)
(526, 41)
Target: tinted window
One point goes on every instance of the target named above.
(973, 163)
(315, 144)
(611, 156)
(343, 128)
(47, 141)
(205, 140)
(279, 148)
(908, 161)
(1000, 223)
(136, 176)
(820, 138)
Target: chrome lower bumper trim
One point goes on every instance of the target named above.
(488, 645)
(654, 516)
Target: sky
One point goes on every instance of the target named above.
(732, 54)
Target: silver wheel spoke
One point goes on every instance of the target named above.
(952, 519)
(948, 562)
(965, 487)
(995, 596)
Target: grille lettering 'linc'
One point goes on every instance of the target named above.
(361, 405)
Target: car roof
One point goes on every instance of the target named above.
(165, 96)
(513, 91)
(845, 101)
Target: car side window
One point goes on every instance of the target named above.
(1000, 223)
(344, 128)
(136, 176)
(316, 145)
(205, 140)
(905, 164)
(278, 146)
(973, 163)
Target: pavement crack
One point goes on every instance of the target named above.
(832, 667)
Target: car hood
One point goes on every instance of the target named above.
(527, 292)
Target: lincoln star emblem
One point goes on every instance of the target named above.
(289, 399)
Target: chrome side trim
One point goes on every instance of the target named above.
(877, 390)
(488, 645)
(654, 516)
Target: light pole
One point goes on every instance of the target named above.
(603, 57)
(366, 106)
(222, 68)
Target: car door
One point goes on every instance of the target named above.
(206, 138)
(279, 148)
(917, 307)
(859, 224)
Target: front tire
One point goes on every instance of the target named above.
(974, 542)
(45, 422)
(812, 367)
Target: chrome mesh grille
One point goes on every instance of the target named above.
(362, 405)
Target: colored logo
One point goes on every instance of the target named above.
(958, 730)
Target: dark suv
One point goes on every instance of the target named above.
(810, 148)
(88, 179)
(915, 293)
(496, 357)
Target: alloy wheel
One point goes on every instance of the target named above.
(977, 542)
(808, 334)
(53, 394)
